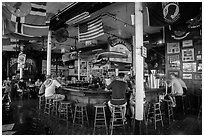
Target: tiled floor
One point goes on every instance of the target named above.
(30, 121)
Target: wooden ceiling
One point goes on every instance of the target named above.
(120, 27)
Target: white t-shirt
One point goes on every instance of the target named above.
(176, 87)
(182, 83)
(50, 87)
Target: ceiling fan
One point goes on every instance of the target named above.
(61, 35)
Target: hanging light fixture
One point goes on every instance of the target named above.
(78, 18)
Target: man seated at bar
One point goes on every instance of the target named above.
(176, 88)
(119, 88)
(50, 86)
(183, 85)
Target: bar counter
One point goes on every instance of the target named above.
(86, 96)
(98, 96)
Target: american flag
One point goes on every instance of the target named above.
(91, 29)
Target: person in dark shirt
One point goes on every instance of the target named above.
(119, 88)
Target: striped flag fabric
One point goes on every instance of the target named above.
(25, 29)
(31, 12)
(90, 29)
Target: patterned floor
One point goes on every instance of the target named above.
(31, 121)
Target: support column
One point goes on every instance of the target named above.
(79, 67)
(139, 67)
(21, 73)
(133, 55)
(49, 50)
(8, 66)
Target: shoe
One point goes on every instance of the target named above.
(173, 105)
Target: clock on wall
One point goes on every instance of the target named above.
(19, 9)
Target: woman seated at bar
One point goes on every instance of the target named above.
(119, 88)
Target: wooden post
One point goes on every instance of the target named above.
(49, 50)
(139, 66)
(8, 66)
(79, 66)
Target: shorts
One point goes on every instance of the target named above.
(57, 97)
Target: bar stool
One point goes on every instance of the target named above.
(48, 106)
(183, 103)
(56, 104)
(169, 110)
(155, 109)
(80, 114)
(65, 110)
(100, 117)
(41, 101)
(118, 118)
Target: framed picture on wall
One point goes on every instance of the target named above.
(187, 43)
(187, 76)
(199, 68)
(189, 67)
(188, 54)
(173, 48)
(198, 76)
(174, 61)
(199, 57)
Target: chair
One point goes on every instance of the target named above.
(155, 109)
(80, 114)
(100, 117)
(65, 110)
(118, 118)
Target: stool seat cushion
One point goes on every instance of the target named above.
(66, 102)
(99, 105)
(80, 104)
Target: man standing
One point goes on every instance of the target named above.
(119, 88)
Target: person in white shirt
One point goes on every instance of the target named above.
(50, 86)
(183, 85)
(176, 89)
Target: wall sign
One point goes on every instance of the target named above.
(189, 67)
(187, 43)
(123, 49)
(144, 52)
(187, 76)
(173, 48)
(188, 54)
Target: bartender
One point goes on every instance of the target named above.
(96, 82)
